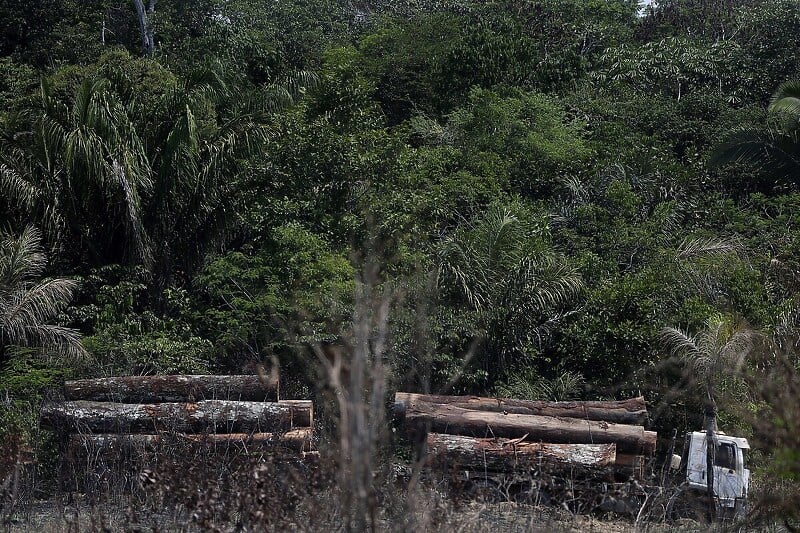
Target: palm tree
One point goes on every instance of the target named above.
(775, 150)
(80, 172)
(512, 280)
(197, 152)
(28, 303)
(125, 183)
(717, 351)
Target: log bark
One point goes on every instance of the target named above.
(422, 418)
(631, 411)
(152, 389)
(506, 455)
(214, 416)
(83, 445)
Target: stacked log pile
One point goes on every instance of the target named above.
(503, 435)
(144, 412)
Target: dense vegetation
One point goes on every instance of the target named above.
(538, 190)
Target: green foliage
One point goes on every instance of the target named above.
(566, 385)
(277, 299)
(503, 268)
(128, 337)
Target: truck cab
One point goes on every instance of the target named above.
(731, 478)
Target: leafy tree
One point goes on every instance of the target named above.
(276, 300)
(130, 334)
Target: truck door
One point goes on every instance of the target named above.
(728, 480)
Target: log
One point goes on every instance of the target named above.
(83, 445)
(153, 389)
(631, 411)
(505, 455)
(632, 465)
(422, 418)
(212, 416)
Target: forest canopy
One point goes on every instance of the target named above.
(542, 187)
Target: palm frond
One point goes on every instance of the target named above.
(36, 303)
(679, 343)
(26, 305)
(786, 100)
(21, 257)
(16, 188)
(701, 247)
(55, 341)
(743, 144)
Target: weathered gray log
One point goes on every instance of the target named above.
(506, 455)
(631, 411)
(185, 388)
(423, 417)
(212, 416)
(88, 444)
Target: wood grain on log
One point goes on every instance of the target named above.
(503, 455)
(423, 417)
(87, 444)
(213, 416)
(631, 411)
(180, 388)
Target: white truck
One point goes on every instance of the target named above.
(731, 481)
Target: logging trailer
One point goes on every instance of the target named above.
(586, 456)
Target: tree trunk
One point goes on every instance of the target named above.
(632, 411)
(421, 418)
(87, 444)
(215, 416)
(711, 428)
(152, 389)
(145, 17)
(504, 455)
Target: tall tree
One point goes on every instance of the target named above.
(145, 17)
(80, 171)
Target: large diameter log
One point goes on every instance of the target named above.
(422, 418)
(88, 444)
(212, 416)
(506, 455)
(631, 411)
(152, 389)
